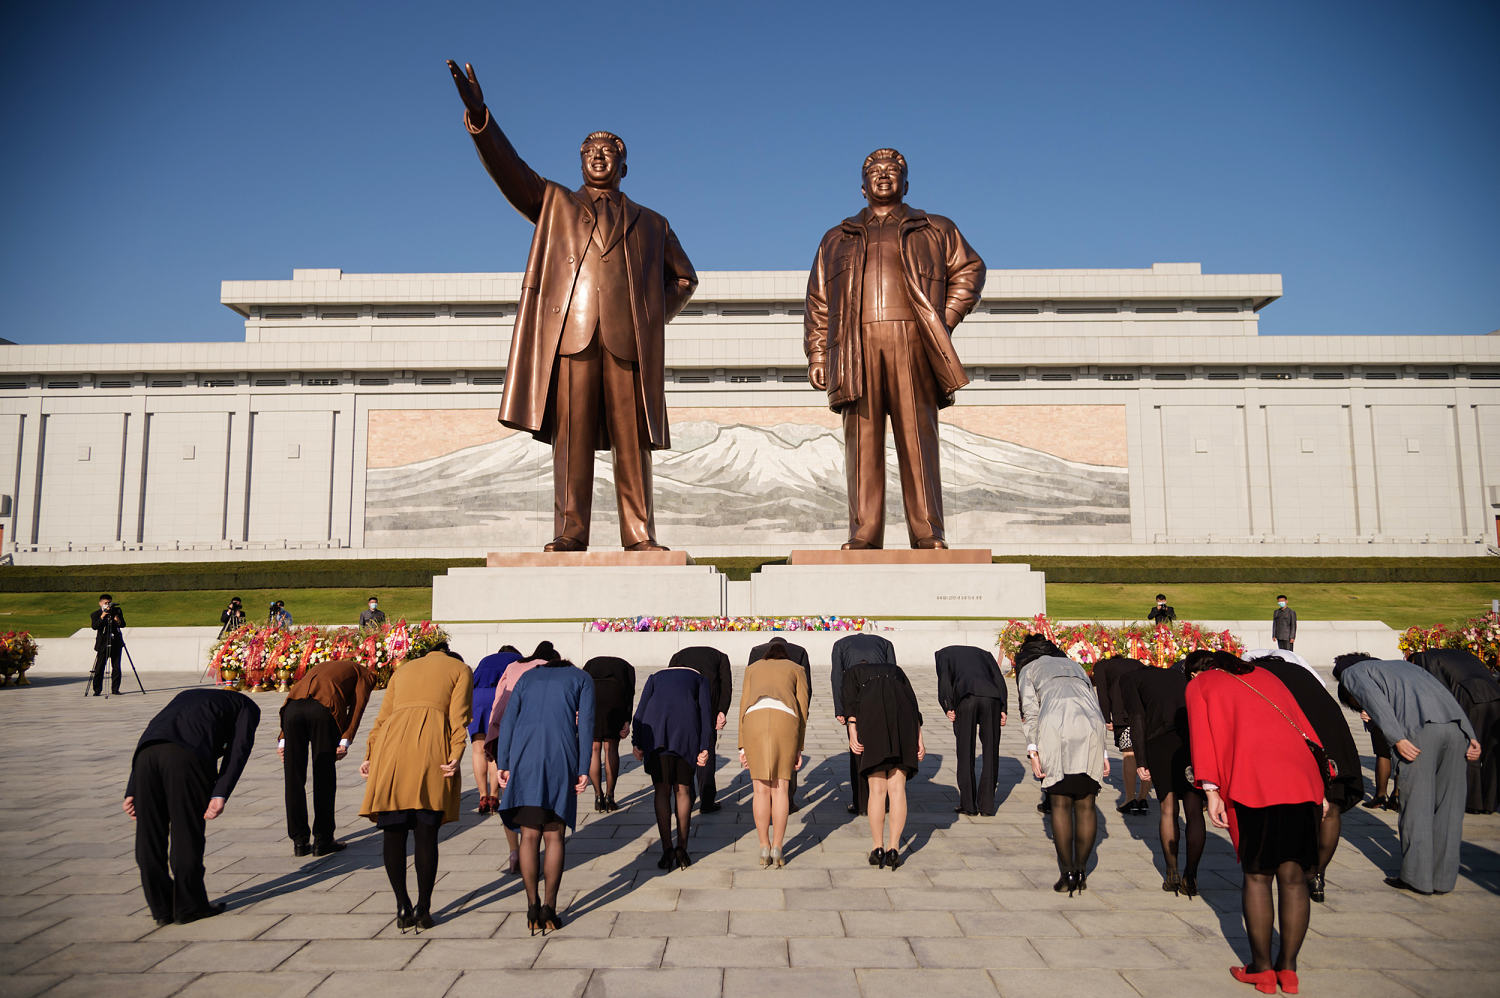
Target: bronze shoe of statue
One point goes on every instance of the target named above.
(565, 544)
(854, 544)
(646, 545)
(931, 544)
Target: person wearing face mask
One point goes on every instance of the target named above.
(1284, 625)
(1162, 612)
(372, 617)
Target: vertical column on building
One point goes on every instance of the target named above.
(1362, 460)
(1138, 459)
(359, 427)
(1470, 473)
(237, 480)
(27, 522)
(1257, 465)
(340, 513)
(133, 475)
(1153, 516)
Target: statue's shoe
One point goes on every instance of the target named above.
(565, 544)
(857, 545)
(646, 545)
(931, 544)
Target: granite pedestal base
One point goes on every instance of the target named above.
(897, 583)
(575, 587)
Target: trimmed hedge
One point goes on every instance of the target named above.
(385, 573)
(374, 573)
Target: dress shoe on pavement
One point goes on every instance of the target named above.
(209, 912)
(301, 849)
(1402, 885)
(324, 848)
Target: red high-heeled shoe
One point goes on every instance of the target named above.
(1264, 980)
(1288, 981)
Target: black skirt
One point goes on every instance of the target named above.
(530, 816)
(1168, 760)
(1280, 833)
(611, 710)
(1075, 785)
(669, 767)
(408, 819)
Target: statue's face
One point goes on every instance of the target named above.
(885, 182)
(602, 164)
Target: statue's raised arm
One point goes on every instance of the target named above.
(520, 184)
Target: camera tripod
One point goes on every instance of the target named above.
(124, 648)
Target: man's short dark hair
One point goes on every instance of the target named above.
(375, 598)
(104, 596)
(1161, 595)
(1282, 596)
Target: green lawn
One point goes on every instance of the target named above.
(1399, 604)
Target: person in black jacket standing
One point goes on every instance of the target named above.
(713, 665)
(851, 652)
(798, 654)
(972, 693)
(177, 782)
(107, 622)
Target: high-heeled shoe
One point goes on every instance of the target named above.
(610, 805)
(1288, 981)
(877, 857)
(598, 802)
(1172, 883)
(893, 859)
(1264, 980)
(1067, 882)
(1083, 881)
(668, 860)
(1190, 885)
(534, 917)
(683, 860)
(422, 919)
(1317, 888)
(551, 921)
(765, 859)
(404, 919)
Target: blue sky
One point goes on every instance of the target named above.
(155, 149)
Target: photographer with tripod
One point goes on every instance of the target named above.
(107, 622)
(233, 617)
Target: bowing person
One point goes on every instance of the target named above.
(797, 654)
(514, 672)
(1106, 677)
(972, 693)
(614, 697)
(1155, 701)
(1478, 693)
(319, 719)
(773, 725)
(673, 727)
(885, 734)
(177, 783)
(849, 652)
(487, 676)
(712, 665)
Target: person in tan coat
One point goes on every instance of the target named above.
(411, 770)
(773, 725)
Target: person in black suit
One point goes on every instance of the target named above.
(972, 693)
(177, 783)
(107, 622)
(850, 652)
(713, 665)
(1154, 704)
(1162, 612)
(797, 654)
(1106, 676)
(1478, 693)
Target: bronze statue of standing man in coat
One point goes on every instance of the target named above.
(587, 366)
(886, 289)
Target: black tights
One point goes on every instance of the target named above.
(1192, 816)
(425, 848)
(609, 749)
(663, 800)
(1294, 910)
(1328, 836)
(532, 860)
(1074, 826)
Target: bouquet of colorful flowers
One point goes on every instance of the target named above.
(17, 654)
(648, 623)
(1086, 643)
(257, 657)
(1477, 635)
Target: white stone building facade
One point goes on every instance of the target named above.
(1131, 411)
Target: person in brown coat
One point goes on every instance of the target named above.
(411, 768)
(773, 725)
(319, 719)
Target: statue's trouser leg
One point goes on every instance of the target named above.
(576, 413)
(912, 401)
(630, 442)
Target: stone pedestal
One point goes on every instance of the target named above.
(896, 583)
(586, 584)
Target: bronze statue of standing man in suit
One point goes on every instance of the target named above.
(886, 289)
(587, 367)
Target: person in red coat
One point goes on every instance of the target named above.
(1251, 757)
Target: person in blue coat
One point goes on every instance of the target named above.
(541, 750)
(486, 677)
(672, 732)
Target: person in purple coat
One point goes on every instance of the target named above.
(672, 732)
(486, 679)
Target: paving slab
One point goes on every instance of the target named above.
(252, 985)
(927, 983)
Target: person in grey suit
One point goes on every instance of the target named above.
(1284, 625)
(972, 693)
(797, 654)
(1429, 731)
(850, 652)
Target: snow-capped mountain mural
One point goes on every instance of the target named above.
(726, 485)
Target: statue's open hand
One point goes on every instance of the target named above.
(468, 88)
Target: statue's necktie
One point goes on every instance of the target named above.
(604, 223)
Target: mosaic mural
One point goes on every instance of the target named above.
(757, 478)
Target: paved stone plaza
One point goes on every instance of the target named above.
(972, 911)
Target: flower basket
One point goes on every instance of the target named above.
(17, 654)
(1158, 645)
(255, 657)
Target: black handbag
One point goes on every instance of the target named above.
(1327, 768)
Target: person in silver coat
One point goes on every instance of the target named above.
(1066, 746)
